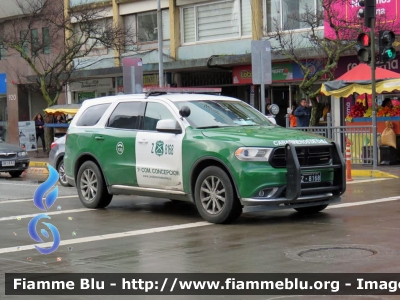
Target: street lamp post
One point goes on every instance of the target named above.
(160, 45)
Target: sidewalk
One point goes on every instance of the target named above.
(40, 160)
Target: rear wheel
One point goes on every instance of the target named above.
(215, 198)
(91, 186)
(311, 209)
(61, 171)
(15, 173)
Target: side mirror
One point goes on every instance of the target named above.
(184, 112)
(169, 125)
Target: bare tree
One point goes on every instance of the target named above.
(300, 38)
(55, 42)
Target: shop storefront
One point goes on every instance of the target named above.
(357, 103)
(149, 80)
(93, 88)
(284, 89)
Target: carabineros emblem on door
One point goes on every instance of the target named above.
(159, 148)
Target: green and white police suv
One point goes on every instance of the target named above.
(215, 151)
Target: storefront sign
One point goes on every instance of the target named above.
(242, 75)
(3, 84)
(94, 84)
(280, 72)
(151, 80)
(387, 12)
(148, 81)
(347, 63)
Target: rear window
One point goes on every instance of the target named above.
(92, 115)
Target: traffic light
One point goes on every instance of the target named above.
(368, 12)
(364, 44)
(386, 50)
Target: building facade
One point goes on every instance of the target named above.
(205, 44)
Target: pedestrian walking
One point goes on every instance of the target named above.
(303, 114)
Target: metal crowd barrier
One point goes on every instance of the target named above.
(360, 137)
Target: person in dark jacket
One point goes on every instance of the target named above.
(39, 124)
(303, 114)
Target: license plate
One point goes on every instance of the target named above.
(8, 163)
(311, 177)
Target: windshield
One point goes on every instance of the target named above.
(222, 113)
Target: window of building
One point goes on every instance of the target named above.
(88, 35)
(46, 40)
(154, 113)
(287, 13)
(34, 42)
(125, 116)
(92, 115)
(24, 40)
(2, 52)
(216, 21)
(147, 26)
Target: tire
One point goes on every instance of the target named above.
(214, 209)
(95, 195)
(61, 171)
(311, 209)
(15, 173)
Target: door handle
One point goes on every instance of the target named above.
(143, 141)
(100, 138)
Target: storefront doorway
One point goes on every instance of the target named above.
(280, 96)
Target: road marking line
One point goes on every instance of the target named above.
(150, 230)
(367, 180)
(363, 202)
(109, 236)
(60, 212)
(26, 200)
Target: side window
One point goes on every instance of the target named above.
(125, 116)
(92, 115)
(154, 113)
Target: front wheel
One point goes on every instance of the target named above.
(91, 186)
(311, 209)
(215, 198)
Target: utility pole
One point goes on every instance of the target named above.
(160, 45)
(373, 67)
(368, 12)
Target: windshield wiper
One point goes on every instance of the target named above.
(213, 126)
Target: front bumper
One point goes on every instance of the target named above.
(20, 165)
(296, 194)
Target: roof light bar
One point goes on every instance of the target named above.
(181, 90)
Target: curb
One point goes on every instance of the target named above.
(372, 173)
(37, 167)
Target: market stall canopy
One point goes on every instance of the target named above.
(358, 80)
(63, 109)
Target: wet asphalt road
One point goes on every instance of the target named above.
(354, 236)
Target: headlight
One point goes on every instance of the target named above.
(22, 153)
(253, 154)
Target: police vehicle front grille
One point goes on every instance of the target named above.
(307, 156)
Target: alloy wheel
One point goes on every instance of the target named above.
(212, 195)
